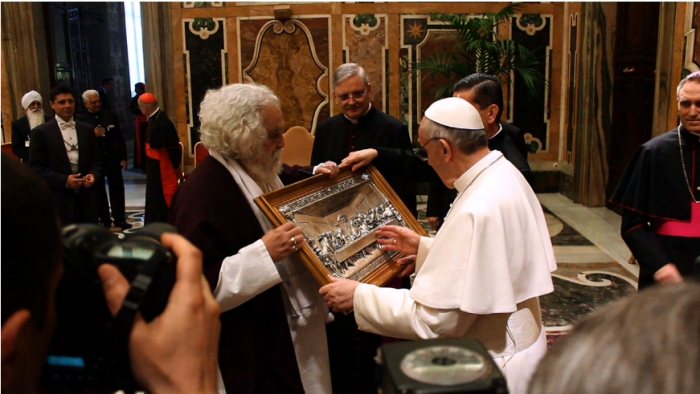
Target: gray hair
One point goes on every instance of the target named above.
(231, 122)
(467, 141)
(694, 76)
(646, 343)
(349, 70)
(89, 93)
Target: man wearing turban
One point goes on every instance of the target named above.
(31, 102)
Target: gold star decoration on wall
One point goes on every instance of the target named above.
(416, 30)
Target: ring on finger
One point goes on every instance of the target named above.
(394, 241)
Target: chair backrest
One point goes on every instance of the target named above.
(200, 152)
(7, 148)
(298, 146)
(182, 162)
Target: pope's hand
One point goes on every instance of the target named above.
(400, 239)
(329, 168)
(339, 295)
(283, 241)
(359, 158)
(668, 274)
(410, 263)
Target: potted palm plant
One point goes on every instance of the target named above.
(479, 49)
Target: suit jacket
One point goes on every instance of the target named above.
(111, 145)
(20, 135)
(336, 137)
(518, 137)
(104, 97)
(48, 157)
(256, 353)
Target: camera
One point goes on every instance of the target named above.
(90, 347)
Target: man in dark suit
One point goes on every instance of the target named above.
(65, 154)
(31, 102)
(484, 92)
(110, 142)
(163, 158)
(359, 126)
(104, 90)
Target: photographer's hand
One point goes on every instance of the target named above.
(177, 351)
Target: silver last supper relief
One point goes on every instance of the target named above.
(340, 223)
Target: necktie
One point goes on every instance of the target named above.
(67, 125)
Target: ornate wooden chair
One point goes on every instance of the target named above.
(200, 152)
(7, 148)
(298, 146)
(182, 163)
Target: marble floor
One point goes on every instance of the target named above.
(592, 259)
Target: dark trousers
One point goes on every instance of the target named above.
(113, 173)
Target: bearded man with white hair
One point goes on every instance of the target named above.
(273, 319)
(482, 274)
(21, 128)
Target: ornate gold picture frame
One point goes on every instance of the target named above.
(340, 217)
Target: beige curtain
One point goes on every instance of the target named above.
(20, 72)
(158, 54)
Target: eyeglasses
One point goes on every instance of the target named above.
(422, 153)
(357, 95)
(95, 101)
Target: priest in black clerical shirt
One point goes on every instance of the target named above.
(361, 125)
(660, 191)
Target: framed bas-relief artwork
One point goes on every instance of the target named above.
(340, 218)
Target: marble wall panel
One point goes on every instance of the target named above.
(205, 63)
(292, 59)
(365, 42)
(421, 37)
(201, 4)
(533, 115)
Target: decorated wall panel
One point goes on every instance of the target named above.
(533, 116)
(296, 58)
(206, 66)
(292, 59)
(366, 42)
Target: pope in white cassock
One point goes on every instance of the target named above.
(481, 276)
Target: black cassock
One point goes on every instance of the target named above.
(337, 136)
(653, 190)
(161, 134)
(440, 196)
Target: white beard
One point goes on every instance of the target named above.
(266, 173)
(35, 117)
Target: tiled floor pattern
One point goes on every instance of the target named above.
(592, 259)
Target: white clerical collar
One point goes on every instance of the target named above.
(61, 121)
(500, 128)
(467, 178)
(154, 112)
(355, 121)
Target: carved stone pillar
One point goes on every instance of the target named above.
(20, 72)
(158, 54)
(594, 112)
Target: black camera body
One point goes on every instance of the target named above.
(90, 346)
